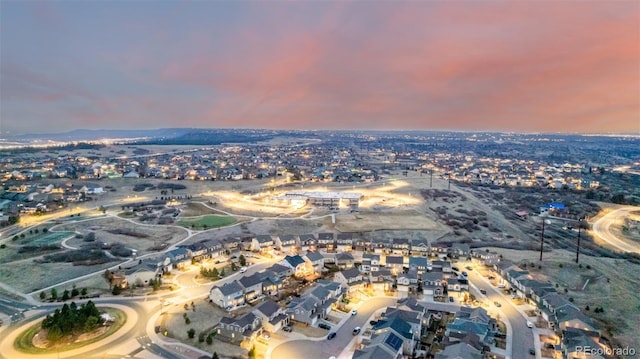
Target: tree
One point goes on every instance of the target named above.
(214, 273)
(210, 341)
(74, 292)
(45, 230)
(215, 354)
(222, 273)
(116, 290)
(83, 292)
(65, 295)
(243, 260)
(42, 295)
(191, 333)
(54, 294)
(252, 352)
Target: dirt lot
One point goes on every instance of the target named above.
(368, 221)
(612, 284)
(141, 237)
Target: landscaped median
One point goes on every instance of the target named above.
(207, 221)
(33, 339)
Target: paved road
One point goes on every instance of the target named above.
(324, 348)
(521, 335)
(602, 229)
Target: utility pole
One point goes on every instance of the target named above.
(449, 184)
(431, 178)
(578, 248)
(542, 239)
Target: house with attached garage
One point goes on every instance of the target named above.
(308, 242)
(344, 242)
(241, 330)
(316, 259)
(287, 243)
(304, 310)
(262, 243)
(326, 241)
(298, 265)
(395, 264)
(400, 246)
(344, 260)
(227, 296)
(419, 263)
(271, 315)
(420, 247)
(252, 287)
(350, 279)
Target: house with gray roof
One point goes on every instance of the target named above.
(459, 351)
(344, 242)
(316, 259)
(241, 330)
(298, 265)
(272, 316)
(308, 242)
(395, 263)
(227, 296)
(350, 279)
(262, 243)
(287, 243)
(344, 260)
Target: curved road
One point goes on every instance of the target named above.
(602, 229)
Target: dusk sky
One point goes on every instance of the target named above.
(524, 66)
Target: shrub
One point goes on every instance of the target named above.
(191, 333)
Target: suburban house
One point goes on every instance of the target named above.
(344, 260)
(401, 329)
(198, 250)
(457, 284)
(227, 296)
(215, 248)
(444, 266)
(304, 310)
(142, 273)
(345, 242)
(400, 246)
(273, 317)
(241, 330)
(280, 271)
(383, 345)
(420, 247)
(262, 243)
(324, 298)
(286, 243)
(326, 241)
(421, 264)
(363, 245)
(231, 243)
(575, 340)
(298, 265)
(350, 279)
(308, 242)
(176, 259)
(316, 259)
(432, 283)
(252, 286)
(572, 317)
(395, 264)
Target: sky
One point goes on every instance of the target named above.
(515, 66)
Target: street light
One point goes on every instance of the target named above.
(578, 247)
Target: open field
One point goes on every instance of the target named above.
(207, 221)
(612, 284)
(26, 277)
(369, 221)
(133, 235)
(194, 209)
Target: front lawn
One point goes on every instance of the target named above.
(208, 221)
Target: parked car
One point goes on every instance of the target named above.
(331, 335)
(354, 312)
(266, 335)
(451, 299)
(356, 330)
(464, 274)
(469, 268)
(491, 277)
(373, 322)
(483, 291)
(288, 329)
(324, 326)
(497, 304)
(243, 269)
(529, 324)
(532, 351)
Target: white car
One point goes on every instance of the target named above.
(354, 312)
(243, 269)
(529, 324)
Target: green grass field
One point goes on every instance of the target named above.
(208, 221)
